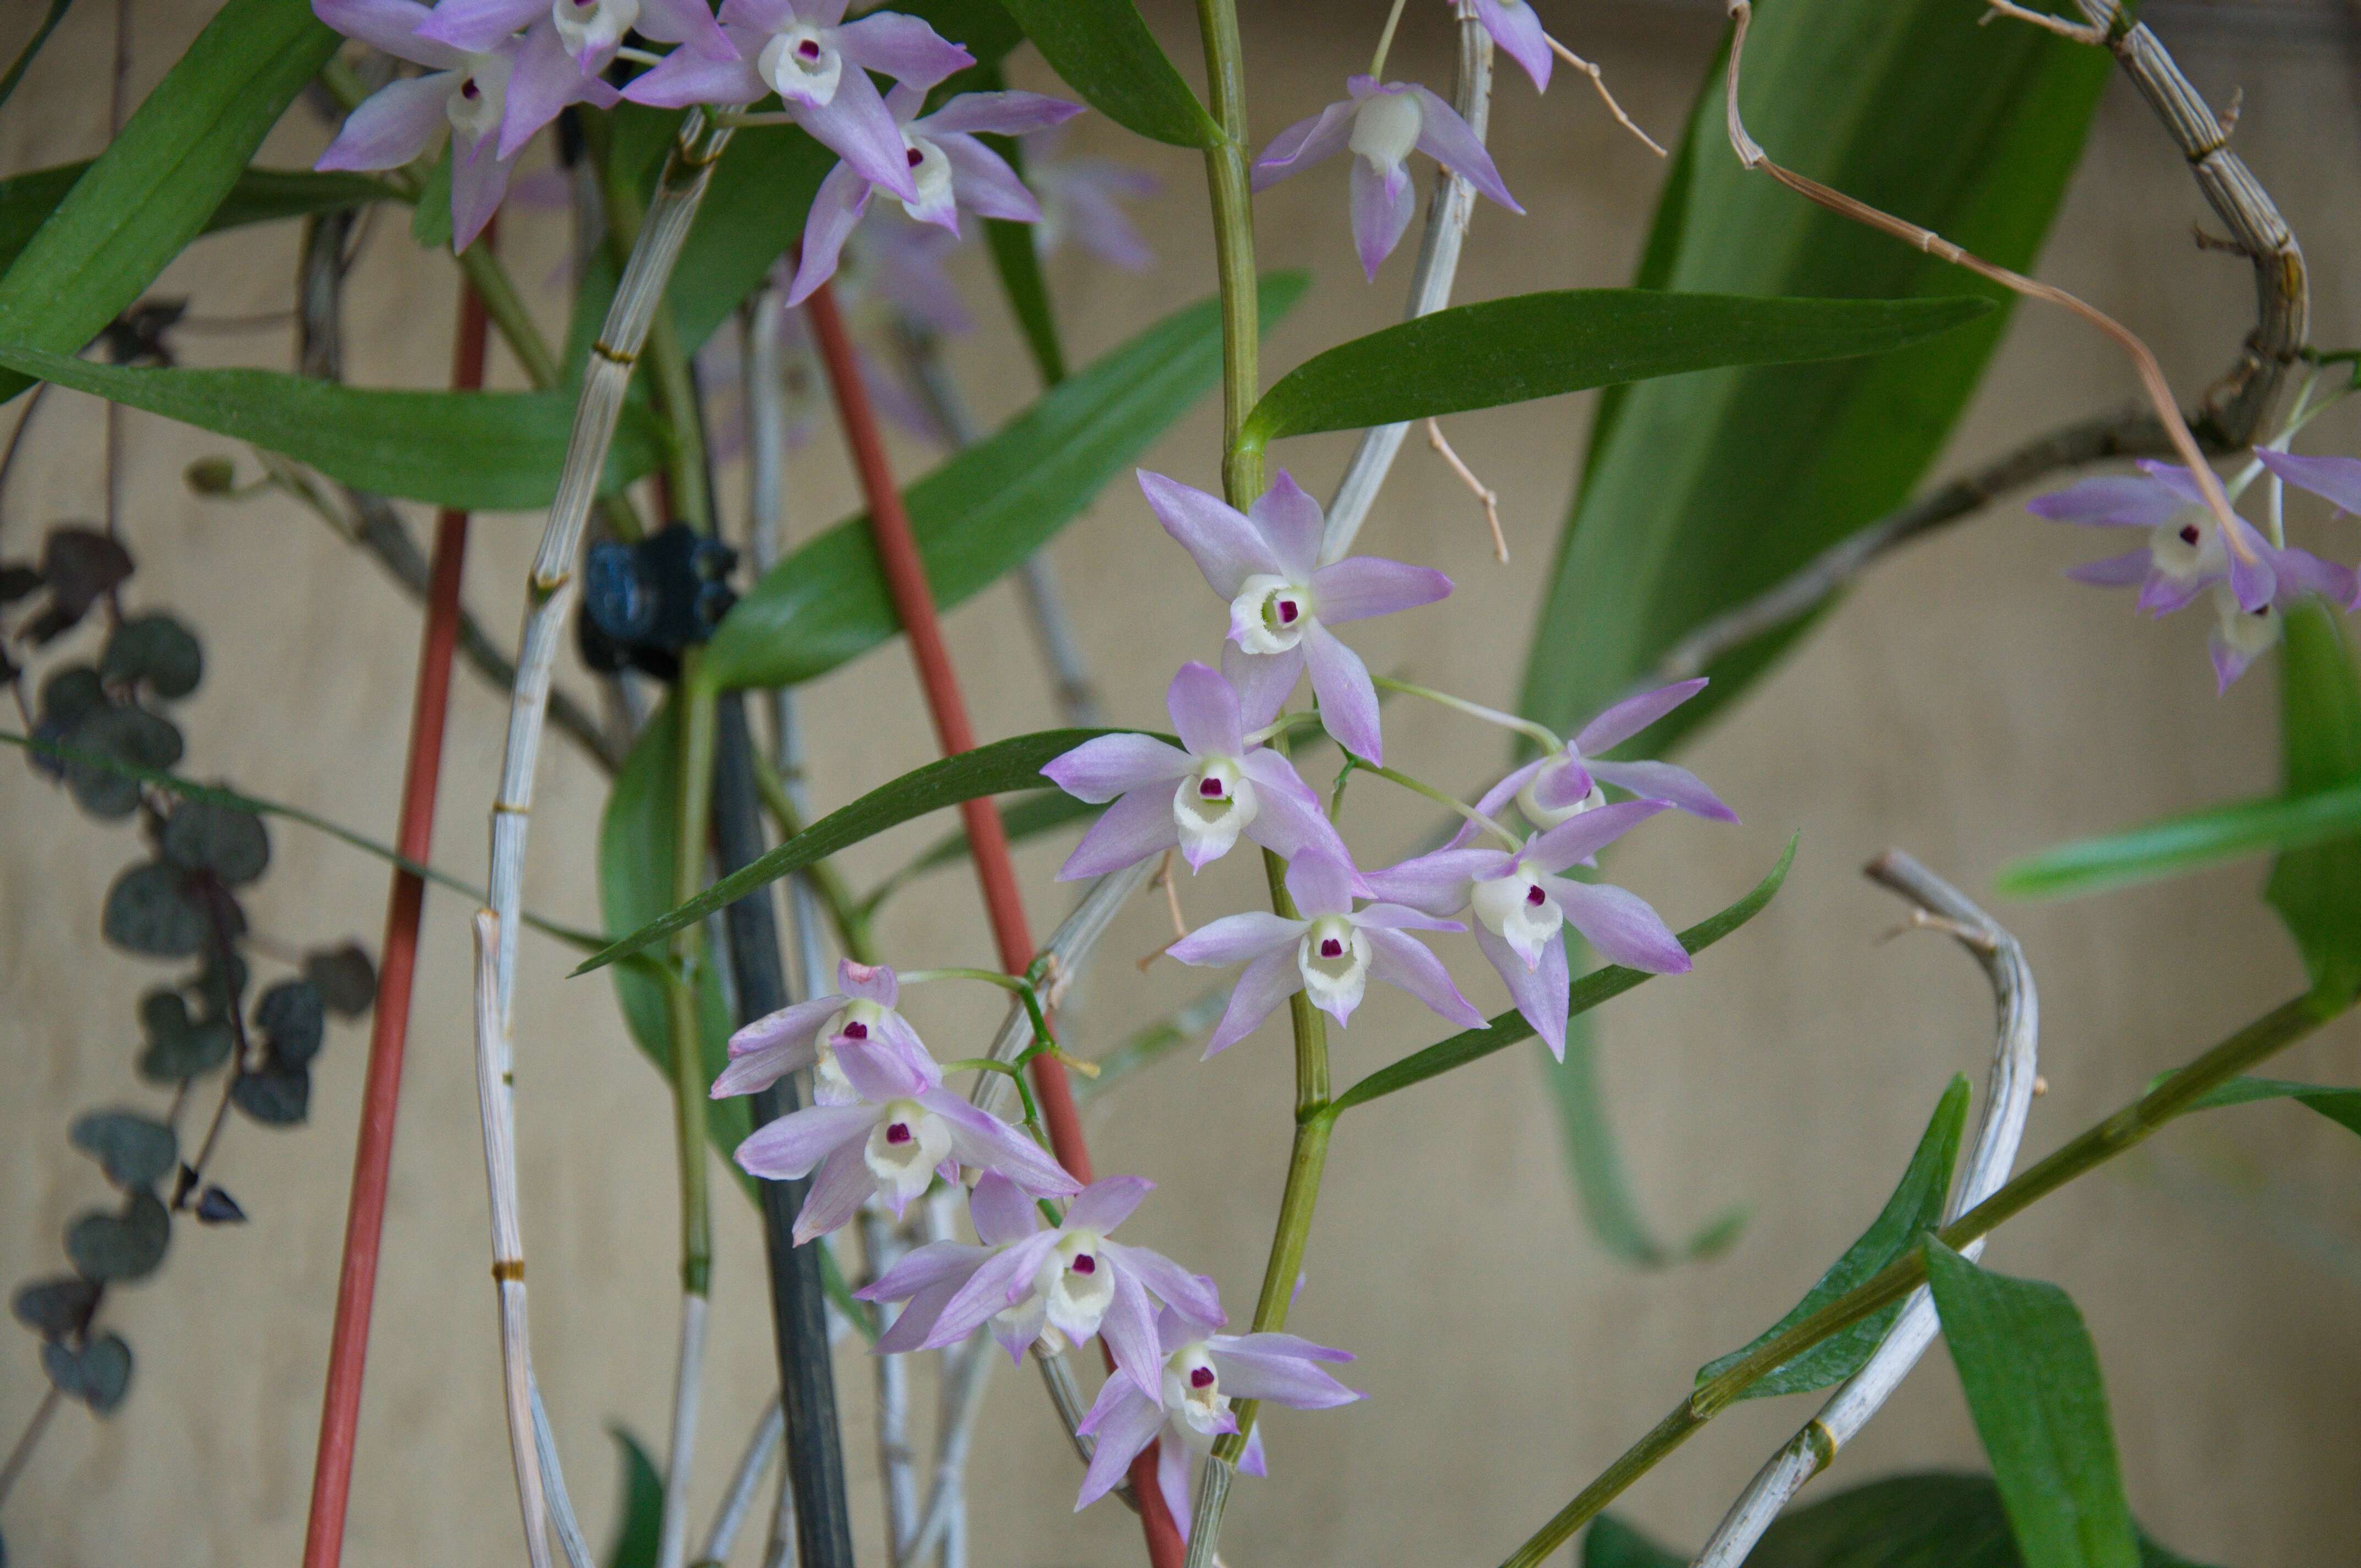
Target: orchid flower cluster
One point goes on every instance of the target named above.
(2250, 581)
(883, 1128)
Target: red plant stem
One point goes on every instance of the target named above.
(332, 1470)
(913, 603)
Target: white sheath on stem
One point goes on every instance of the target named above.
(2008, 1100)
(1430, 289)
(494, 1089)
(561, 1507)
(548, 596)
(672, 1542)
(881, 1244)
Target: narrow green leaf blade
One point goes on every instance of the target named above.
(987, 508)
(752, 213)
(475, 451)
(25, 57)
(1915, 1209)
(1104, 50)
(159, 181)
(1702, 491)
(1011, 764)
(636, 835)
(261, 196)
(2033, 1385)
(1044, 811)
(2317, 890)
(639, 1528)
(2181, 844)
(1540, 345)
(2339, 1104)
(1611, 1543)
(1589, 991)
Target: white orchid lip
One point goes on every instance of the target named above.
(1270, 614)
(1193, 1395)
(1334, 957)
(1548, 817)
(2249, 631)
(1212, 806)
(479, 92)
(1076, 1285)
(2188, 545)
(801, 65)
(1520, 910)
(905, 1147)
(1385, 129)
(930, 172)
(583, 25)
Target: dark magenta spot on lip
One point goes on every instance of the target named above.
(916, 157)
(1085, 1263)
(2189, 533)
(899, 1133)
(809, 49)
(468, 88)
(1535, 896)
(1202, 1377)
(1288, 612)
(1330, 948)
(856, 1030)
(1209, 788)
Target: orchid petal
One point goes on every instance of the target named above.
(2334, 479)
(1305, 143)
(1107, 1203)
(391, 126)
(1138, 824)
(468, 27)
(1263, 681)
(1382, 205)
(996, 1284)
(477, 183)
(2114, 571)
(984, 1141)
(1226, 547)
(1255, 1371)
(1290, 522)
(902, 46)
(2116, 500)
(1620, 924)
(687, 22)
(842, 197)
(1109, 766)
(1363, 586)
(857, 127)
(759, 1069)
(1348, 698)
(1192, 1294)
(1205, 712)
(924, 1267)
(1626, 718)
(1173, 1480)
(1584, 835)
(390, 26)
(1267, 982)
(1541, 991)
(1443, 136)
(1002, 1214)
(1319, 884)
(1439, 883)
(996, 114)
(1123, 1421)
(878, 1075)
(787, 1149)
(1234, 939)
(692, 76)
(1516, 28)
(1404, 962)
(984, 183)
(844, 1183)
(1667, 782)
(1128, 1331)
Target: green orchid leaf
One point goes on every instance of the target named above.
(2033, 1385)
(987, 508)
(2178, 845)
(1540, 345)
(2317, 889)
(1700, 492)
(261, 196)
(1915, 1209)
(475, 451)
(1103, 49)
(162, 179)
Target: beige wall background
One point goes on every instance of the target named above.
(1966, 704)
